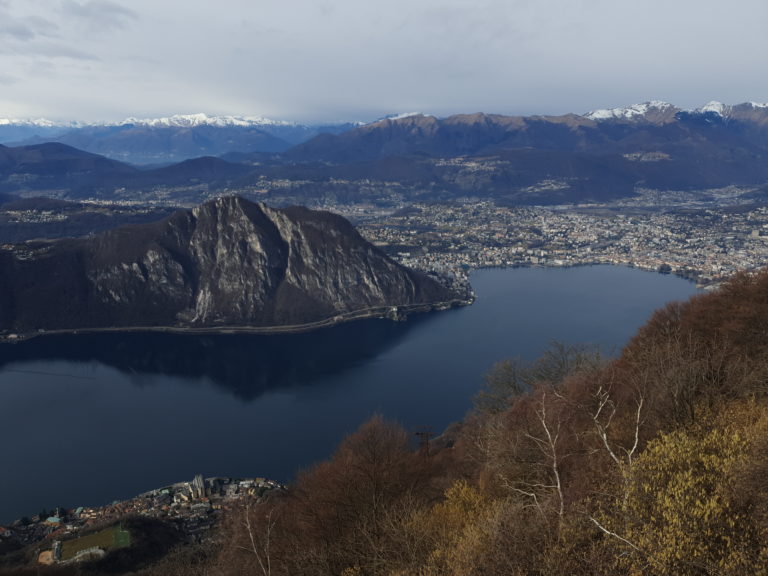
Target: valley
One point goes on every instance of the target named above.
(221, 290)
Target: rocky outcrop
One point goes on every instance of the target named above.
(226, 263)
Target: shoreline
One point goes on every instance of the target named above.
(395, 313)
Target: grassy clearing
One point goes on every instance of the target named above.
(107, 539)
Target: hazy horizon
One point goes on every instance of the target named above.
(338, 60)
(343, 120)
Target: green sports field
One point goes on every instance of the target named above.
(107, 539)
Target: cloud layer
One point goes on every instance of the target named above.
(346, 59)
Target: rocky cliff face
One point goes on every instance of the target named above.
(228, 262)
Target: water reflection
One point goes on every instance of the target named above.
(244, 365)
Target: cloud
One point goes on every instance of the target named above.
(22, 39)
(99, 14)
(23, 28)
(340, 59)
(16, 31)
(56, 50)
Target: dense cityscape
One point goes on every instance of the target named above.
(704, 244)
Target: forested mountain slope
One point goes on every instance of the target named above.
(654, 463)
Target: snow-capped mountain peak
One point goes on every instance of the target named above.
(714, 107)
(404, 115)
(194, 120)
(630, 112)
(36, 122)
(175, 121)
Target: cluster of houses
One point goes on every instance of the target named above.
(193, 506)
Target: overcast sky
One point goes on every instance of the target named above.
(319, 60)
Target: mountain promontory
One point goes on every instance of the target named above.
(226, 264)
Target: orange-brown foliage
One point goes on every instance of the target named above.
(550, 456)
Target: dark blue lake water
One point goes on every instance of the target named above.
(93, 418)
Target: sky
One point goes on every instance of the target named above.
(357, 60)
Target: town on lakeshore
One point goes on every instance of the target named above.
(705, 244)
(82, 533)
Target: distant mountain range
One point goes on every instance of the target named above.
(649, 127)
(226, 263)
(597, 156)
(167, 140)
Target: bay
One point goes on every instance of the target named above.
(89, 419)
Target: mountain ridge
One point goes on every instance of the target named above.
(599, 156)
(201, 118)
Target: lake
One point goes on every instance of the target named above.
(89, 419)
